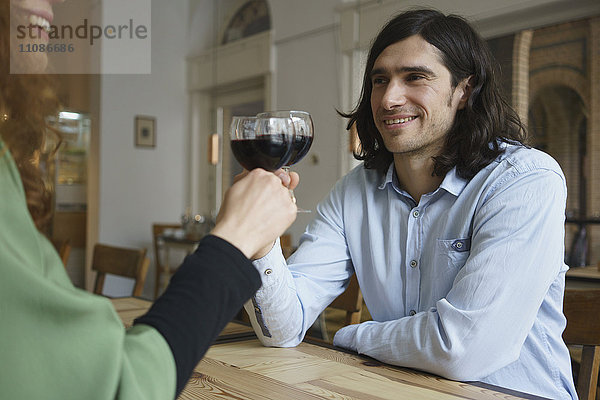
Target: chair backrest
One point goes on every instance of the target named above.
(157, 230)
(63, 247)
(126, 262)
(582, 310)
(285, 241)
(350, 301)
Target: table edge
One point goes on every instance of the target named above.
(511, 392)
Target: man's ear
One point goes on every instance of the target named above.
(465, 89)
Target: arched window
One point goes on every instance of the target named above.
(558, 125)
(252, 18)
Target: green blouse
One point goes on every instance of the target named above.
(57, 341)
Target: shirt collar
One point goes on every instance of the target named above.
(452, 183)
(389, 177)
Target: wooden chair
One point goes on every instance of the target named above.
(350, 301)
(63, 247)
(157, 230)
(285, 241)
(582, 308)
(126, 262)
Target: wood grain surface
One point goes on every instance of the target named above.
(247, 370)
(129, 308)
(130, 303)
(238, 367)
(589, 272)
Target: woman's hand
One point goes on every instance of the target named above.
(256, 210)
(288, 179)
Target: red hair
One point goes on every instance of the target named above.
(26, 99)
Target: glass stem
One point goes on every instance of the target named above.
(300, 210)
(287, 170)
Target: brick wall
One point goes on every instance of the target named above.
(563, 81)
(553, 81)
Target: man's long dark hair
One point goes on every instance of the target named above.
(487, 119)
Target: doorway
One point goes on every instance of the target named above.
(245, 98)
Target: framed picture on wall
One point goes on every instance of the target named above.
(145, 131)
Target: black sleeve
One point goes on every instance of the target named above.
(205, 293)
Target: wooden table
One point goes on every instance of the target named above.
(130, 303)
(247, 370)
(583, 278)
(129, 308)
(237, 366)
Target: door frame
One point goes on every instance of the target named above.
(234, 73)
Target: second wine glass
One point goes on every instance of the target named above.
(262, 142)
(303, 136)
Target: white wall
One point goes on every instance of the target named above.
(139, 186)
(307, 79)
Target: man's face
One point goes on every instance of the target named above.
(412, 99)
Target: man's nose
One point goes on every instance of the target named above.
(394, 96)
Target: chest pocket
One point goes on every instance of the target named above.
(450, 256)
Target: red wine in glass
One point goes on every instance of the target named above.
(303, 137)
(269, 152)
(300, 148)
(264, 142)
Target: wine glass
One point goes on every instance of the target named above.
(303, 138)
(262, 142)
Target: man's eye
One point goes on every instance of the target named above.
(379, 81)
(415, 77)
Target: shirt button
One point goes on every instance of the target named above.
(414, 263)
(416, 213)
(412, 312)
(268, 271)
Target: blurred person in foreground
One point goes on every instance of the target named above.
(59, 342)
(453, 227)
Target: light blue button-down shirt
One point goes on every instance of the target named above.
(467, 284)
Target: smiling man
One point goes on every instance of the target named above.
(414, 104)
(454, 228)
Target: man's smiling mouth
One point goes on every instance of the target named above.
(398, 120)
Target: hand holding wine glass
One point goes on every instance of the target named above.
(256, 210)
(303, 136)
(262, 142)
(289, 179)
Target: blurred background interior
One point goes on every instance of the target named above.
(212, 59)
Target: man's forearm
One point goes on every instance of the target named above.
(275, 311)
